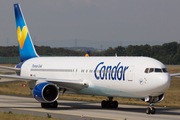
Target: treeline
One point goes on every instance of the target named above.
(168, 53)
(12, 51)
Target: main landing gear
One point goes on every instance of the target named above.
(109, 103)
(49, 105)
(151, 109)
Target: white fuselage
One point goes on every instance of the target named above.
(106, 76)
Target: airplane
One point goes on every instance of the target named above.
(129, 77)
(87, 53)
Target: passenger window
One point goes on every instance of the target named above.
(146, 70)
(158, 70)
(164, 70)
(151, 70)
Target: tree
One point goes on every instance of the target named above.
(120, 51)
(110, 52)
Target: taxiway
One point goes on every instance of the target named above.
(81, 110)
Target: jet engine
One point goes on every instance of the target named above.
(155, 99)
(46, 92)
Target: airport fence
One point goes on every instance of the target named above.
(9, 60)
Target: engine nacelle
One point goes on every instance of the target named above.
(155, 99)
(45, 92)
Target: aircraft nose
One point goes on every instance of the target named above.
(163, 82)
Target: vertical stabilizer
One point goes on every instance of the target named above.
(26, 47)
(87, 53)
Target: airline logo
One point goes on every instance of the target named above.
(87, 55)
(105, 72)
(21, 35)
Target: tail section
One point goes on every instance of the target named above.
(26, 47)
(87, 53)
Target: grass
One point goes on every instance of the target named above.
(12, 116)
(172, 96)
(9, 65)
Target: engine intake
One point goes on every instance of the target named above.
(45, 92)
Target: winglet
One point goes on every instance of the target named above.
(26, 47)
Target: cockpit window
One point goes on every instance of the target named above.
(164, 70)
(158, 70)
(146, 70)
(151, 70)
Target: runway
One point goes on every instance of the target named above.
(81, 110)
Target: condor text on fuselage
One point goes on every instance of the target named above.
(105, 72)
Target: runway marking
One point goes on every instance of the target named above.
(57, 112)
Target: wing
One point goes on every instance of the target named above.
(176, 74)
(62, 83)
(9, 69)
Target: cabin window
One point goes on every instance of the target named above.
(97, 71)
(158, 70)
(90, 71)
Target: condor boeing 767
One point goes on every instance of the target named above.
(131, 77)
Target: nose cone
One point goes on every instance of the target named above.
(163, 82)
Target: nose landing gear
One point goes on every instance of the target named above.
(109, 103)
(151, 109)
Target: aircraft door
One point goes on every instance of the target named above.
(130, 73)
(75, 70)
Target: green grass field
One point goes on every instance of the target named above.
(172, 96)
(12, 116)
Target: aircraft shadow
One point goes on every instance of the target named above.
(165, 111)
(84, 105)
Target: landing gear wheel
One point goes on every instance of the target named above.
(153, 110)
(103, 104)
(43, 105)
(115, 104)
(148, 110)
(55, 104)
(109, 103)
(49, 105)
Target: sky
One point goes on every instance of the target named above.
(93, 23)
